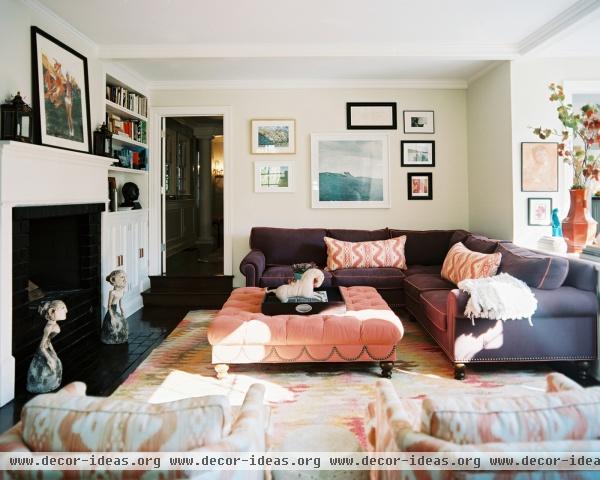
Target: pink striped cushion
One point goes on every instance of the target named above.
(378, 253)
(461, 263)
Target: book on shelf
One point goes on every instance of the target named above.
(130, 158)
(126, 99)
(591, 258)
(134, 129)
(592, 250)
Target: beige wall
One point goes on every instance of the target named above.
(324, 111)
(532, 108)
(490, 155)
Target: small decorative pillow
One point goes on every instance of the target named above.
(567, 415)
(58, 422)
(461, 263)
(377, 253)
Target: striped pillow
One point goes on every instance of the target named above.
(378, 253)
(461, 263)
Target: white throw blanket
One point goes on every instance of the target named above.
(502, 297)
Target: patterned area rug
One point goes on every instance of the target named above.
(304, 395)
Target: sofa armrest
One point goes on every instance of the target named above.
(557, 382)
(457, 302)
(248, 431)
(253, 267)
(390, 419)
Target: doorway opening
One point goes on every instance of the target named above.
(193, 185)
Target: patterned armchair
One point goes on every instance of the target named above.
(564, 419)
(69, 421)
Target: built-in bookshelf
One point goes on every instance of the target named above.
(126, 118)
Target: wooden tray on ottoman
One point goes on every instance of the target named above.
(335, 305)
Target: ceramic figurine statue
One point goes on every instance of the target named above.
(114, 326)
(556, 228)
(45, 370)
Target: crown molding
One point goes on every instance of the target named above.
(559, 24)
(44, 11)
(466, 51)
(483, 71)
(280, 84)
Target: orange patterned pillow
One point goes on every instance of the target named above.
(377, 253)
(461, 263)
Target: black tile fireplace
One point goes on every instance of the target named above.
(56, 255)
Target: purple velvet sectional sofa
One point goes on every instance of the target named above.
(564, 325)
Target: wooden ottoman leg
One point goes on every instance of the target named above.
(221, 369)
(459, 371)
(386, 369)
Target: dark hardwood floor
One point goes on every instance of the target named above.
(105, 367)
(198, 261)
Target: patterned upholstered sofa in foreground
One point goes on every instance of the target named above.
(69, 421)
(564, 419)
(564, 328)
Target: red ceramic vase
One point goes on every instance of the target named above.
(579, 228)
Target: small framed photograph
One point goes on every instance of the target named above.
(539, 211)
(273, 136)
(418, 121)
(60, 93)
(420, 186)
(539, 167)
(414, 153)
(371, 116)
(274, 177)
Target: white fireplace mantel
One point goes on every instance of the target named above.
(33, 175)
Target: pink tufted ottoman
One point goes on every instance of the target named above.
(367, 332)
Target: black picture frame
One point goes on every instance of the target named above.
(407, 115)
(64, 93)
(527, 166)
(392, 125)
(404, 161)
(412, 195)
(530, 207)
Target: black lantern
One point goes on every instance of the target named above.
(103, 141)
(17, 120)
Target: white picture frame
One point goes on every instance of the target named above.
(419, 121)
(274, 176)
(273, 136)
(350, 170)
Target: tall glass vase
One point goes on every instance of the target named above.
(579, 228)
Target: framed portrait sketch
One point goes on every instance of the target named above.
(415, 153)
(420, 186)
(539, 167)
(273, 136)
(371, 116)
(274, 177)
(539, 211)
(350, 170)
(418, 121)
(60, 93)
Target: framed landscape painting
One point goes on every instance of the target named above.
(350, 170)
(273, 177)
(61, 94)
(415, 153)
(273, 136)
(539, 167)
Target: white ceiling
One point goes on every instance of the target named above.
(200, 41)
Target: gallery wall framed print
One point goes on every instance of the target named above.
(274, 177)
(420, 186)
(61, 94)
(371, 116)
(415, 153)
(539, 211)
(539, 167)
(418, 121)
(273, 136)
(350, 170)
